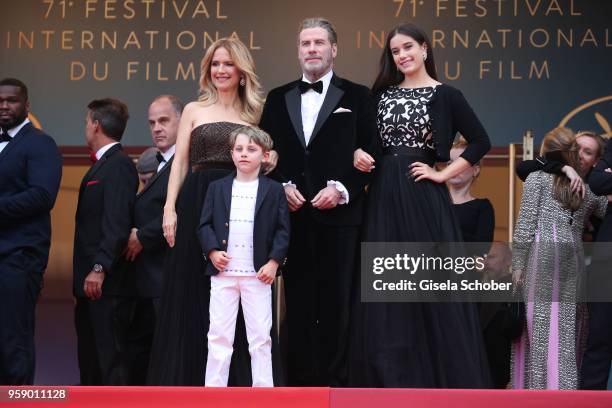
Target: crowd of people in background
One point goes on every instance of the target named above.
(173, 280)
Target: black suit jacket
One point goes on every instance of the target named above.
(329, 153)
(143, 276)
(600, 182)
(104, 218)
(270, 230)
(30, 174)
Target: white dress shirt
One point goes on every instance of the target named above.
(13, 132)
(311, 104)
(167, 156)
(104, 149)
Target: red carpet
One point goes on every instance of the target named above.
(410, 398)
(151, 397)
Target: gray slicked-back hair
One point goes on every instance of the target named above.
(322, 23)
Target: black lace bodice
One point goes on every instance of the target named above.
(403, 118)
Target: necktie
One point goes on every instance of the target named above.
(93, 157)
(160, 157)
(4, 137)
(315, 86)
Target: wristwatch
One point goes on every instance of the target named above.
(97, 268)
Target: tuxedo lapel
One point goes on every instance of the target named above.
(156, 176)
(97, 165)
(92, 172)
(16, 140)
(88, 176)
(293, 99)
(333, 96)
(227, 192)
(262, 190)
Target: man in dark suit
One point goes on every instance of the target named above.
(103, 221)
(30, 173)
(146, 248)
(317, 123)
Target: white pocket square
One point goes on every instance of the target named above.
(341, 110)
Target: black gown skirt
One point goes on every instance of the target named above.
(414, 345)
(179, 351)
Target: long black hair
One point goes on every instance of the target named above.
(388, 73)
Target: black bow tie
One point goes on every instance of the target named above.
(315, 86)
(160, 157)
(4, 137)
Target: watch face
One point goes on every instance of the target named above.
(98, 268)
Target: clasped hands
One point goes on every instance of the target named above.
(327, 198)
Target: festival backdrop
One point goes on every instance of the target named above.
(522, 64)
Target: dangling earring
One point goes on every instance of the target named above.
(425, 57)
(242, 81)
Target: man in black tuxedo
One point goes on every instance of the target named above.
(146, 248)
(30, 173)
(103, 221)
(317, 123)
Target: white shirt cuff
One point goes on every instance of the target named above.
(344, 195)
(289, 183)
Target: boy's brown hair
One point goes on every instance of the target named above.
(255, 134)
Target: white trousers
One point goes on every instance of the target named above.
(256, 298)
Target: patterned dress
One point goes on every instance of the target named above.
(403, 118)
(547, 249)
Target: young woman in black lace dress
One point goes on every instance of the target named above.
(435, 345)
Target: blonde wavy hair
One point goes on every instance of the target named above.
(251, 94)
(560, 144)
